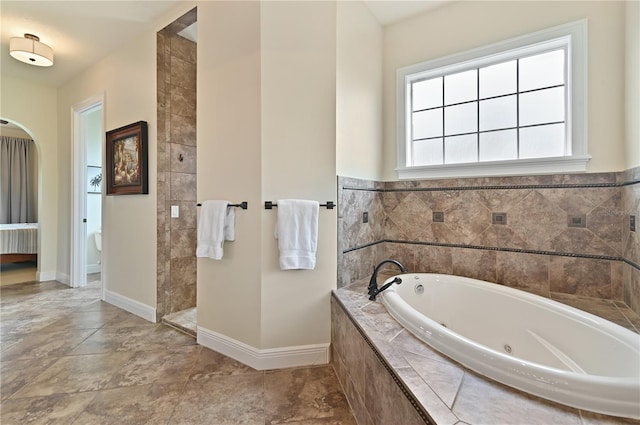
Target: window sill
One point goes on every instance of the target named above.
(560, 165)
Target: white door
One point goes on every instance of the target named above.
(80, 127)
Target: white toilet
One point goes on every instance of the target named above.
(97, 237)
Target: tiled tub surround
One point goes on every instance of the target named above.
(389, 376)
(535, 250)
(630, 205)
(176, 275)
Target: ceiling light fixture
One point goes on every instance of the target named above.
(30, 50)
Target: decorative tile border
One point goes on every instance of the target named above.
(356, 248)
(495, 248)
(509, 187)
(631, 263)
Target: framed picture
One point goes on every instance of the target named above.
(94, 179)
(127, 160)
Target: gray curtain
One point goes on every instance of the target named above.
(16, 204)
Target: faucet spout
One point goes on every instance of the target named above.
(373, 289)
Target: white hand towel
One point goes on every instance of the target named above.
(215, 225)
(230, 224)
(297, 233)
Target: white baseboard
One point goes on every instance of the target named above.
(272, 358)
(132, 306)
(45, 276)
(94, 268)
(63, 278)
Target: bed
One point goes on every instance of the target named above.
(18, 242)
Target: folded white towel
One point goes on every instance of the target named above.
(215, 225)
(297, 233)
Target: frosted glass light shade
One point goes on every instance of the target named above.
(30, 50)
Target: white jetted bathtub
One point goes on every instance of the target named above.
(523, 340)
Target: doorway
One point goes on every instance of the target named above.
(87, 166)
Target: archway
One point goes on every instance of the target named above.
(21, 241)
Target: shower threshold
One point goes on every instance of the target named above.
(184, 321)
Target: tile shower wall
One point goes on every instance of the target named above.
(176, 284)
(630, 206)
(557, 233)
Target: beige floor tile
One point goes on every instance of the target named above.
(57, 409)
(97, 305)
(142, 404)
(74, 374)
(80, 320)
(107, 340)
(38, 345)
(165, 366)
(21, 323)
(222, 400)
(125, 319)
(305, 394)
(163, 337)
(211, 363)
(68, 358)
(17, 373)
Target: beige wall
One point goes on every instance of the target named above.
(33, 107)
(358, 92)
(229, 163)
(632, 89)
(266, 131)
(461, 26)
(14, 132)
(127, 77)
(245, 296)
(298, 161)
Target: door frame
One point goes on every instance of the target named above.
(78, 277)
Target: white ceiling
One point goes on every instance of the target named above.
(81, 32)
(389, 12)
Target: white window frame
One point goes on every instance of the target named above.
(576, 112)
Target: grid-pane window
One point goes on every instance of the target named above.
(514, 107)
(510, 110)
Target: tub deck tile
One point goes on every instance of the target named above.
(445, 379)
(454, 395)
(483, 401)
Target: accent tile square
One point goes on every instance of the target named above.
(498, 218)
(577, 220)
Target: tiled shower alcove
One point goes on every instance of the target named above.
(176, 254)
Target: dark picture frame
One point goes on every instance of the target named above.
(127, 162)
